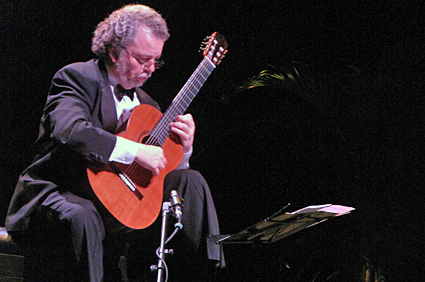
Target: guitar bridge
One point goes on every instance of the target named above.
(127, 181)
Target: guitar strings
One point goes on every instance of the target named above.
(199, 77)
(182, 102)
(179, 105)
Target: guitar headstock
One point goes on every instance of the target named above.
(215, 48)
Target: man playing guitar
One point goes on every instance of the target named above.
(73, 180)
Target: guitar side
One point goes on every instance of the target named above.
(139, 208)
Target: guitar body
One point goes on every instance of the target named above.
(136, 209)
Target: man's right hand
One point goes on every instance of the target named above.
(151, 158)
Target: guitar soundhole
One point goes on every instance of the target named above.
(142, 136)
(149, 140)
(142, 176)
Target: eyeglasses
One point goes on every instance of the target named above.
(158, 63)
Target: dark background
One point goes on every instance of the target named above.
(352, 133)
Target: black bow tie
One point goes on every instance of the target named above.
(120, 92)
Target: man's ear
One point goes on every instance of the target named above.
(113, 54)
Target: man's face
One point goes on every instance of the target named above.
(137, 61)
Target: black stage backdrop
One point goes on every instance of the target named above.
(348, 129)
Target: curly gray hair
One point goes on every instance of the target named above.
(120, 27)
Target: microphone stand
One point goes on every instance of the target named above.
(167, 207)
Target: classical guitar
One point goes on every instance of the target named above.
(130, 192)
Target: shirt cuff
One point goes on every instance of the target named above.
(124, 152)
(184, 164)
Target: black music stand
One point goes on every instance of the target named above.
(281, 225)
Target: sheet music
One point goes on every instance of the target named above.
(282, 225)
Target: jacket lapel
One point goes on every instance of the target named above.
(108, 114)
(108, 111)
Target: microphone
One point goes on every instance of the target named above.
(176, 203)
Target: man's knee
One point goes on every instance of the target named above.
(186, 175)
(84, 215)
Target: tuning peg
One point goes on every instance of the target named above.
(207, 40)
(222, 56)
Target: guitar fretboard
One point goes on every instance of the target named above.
(181, 102)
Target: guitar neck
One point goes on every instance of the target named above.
(182, 101)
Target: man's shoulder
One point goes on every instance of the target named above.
(88, 68)
(89, 72)
(89, 75)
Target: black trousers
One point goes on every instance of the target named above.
(89, 242)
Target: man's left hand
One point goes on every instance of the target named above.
(184, 127)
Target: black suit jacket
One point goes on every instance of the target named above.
(76, 130)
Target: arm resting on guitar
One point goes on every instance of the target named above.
(125, 151)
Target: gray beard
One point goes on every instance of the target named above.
(122, 70)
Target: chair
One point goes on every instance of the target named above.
(11, 259)
(40, 257)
